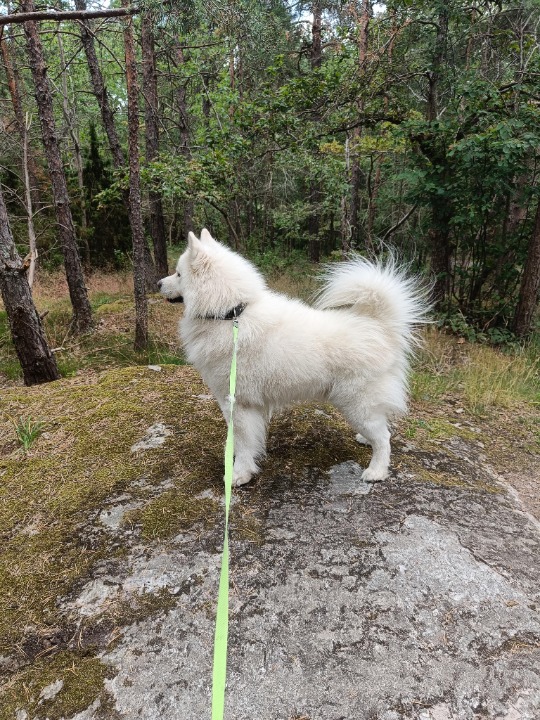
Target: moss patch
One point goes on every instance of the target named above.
(82, 679)
(83, 457)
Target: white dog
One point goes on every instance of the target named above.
(351, 350)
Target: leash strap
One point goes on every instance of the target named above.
(219, 674)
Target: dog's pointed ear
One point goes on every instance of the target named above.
(206, 237)
(195, 246)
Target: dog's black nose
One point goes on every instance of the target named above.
(159, 284)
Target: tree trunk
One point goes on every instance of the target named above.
(441, 209)
(82, 312)
(70, 120)
(150, 92)
(32, 242)
(441, 251)
(439, 58)
(13, 84)
(99, 89)
(107, 116)
(315, 194)
(184, 122)
(530, 283)
(141, 307)
(355, 177)
(37, 362)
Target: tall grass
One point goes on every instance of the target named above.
(482, 377)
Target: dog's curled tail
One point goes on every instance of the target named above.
(378, 289)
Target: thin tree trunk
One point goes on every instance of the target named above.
(107, 116)
(141, 306)
(315, 194)
(530, 283)
(69, 117)
(37, 362)
(184, 141)
(372, 203)
(82, 312)
(29, 207)
(99, 89)
(441, 211)
(13, 84)
(150, 92)
(362, 22)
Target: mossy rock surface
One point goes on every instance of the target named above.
(82, 460)
(54, 544)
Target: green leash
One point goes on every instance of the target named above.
(219, 674)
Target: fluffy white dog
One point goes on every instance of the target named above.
(352, 349)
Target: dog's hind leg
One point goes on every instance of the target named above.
(372, 427)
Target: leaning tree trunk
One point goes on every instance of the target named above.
(99, 89)
(150, 92)
(37, 362)
(141, 307)
(82, 312)
(530, 284)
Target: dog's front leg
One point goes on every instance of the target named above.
(250, 424)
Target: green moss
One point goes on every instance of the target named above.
(109, 306)
(82, 679)
(436, 429)
(172, 512)
(82, 458)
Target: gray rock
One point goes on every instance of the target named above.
(414, 602)
(154, 438)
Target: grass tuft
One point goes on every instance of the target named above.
(27, 431)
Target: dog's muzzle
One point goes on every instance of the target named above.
(178, 299)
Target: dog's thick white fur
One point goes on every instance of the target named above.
(352, 349)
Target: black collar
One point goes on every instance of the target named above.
(231, 315)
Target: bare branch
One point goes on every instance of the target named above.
(13, 18)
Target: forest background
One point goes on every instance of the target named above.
(295, 131)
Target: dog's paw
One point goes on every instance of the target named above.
(372, 475)
(362, 440)
(241, 478)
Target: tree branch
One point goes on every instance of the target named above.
(13, 18)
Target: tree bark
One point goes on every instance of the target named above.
(355, 178)
(315, 193)
(150, 92)
(32, 241)
(530, 283)
(32, 15)
(441, 208)
(141, 306)
(70, 118)
(99, 89)
(107, 117)
(13, 84)
(185, 149)
(82, 312)
(37, 362)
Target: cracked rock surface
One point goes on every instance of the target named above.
(410, 601)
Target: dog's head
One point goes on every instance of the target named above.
(210, 278)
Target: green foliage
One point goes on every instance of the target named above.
(438, 124)
(27, 431)
(107, 233)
